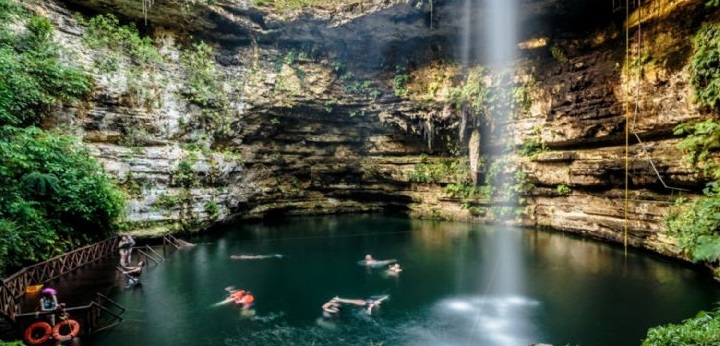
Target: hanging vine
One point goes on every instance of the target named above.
(146, 4)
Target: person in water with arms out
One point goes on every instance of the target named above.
(331, 308)
(368, 304)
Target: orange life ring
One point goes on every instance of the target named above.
(31, 339)
(74, 330)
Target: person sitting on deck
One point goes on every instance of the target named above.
(133, 273)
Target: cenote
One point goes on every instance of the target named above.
(462, 284)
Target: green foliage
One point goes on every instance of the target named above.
(33, 81)
(701, 145)
(705, 66)
(11, 343)
(472, 95)
(559, 54)
(448, 170)
(697, 223)
(212, 210)
(521, 97)
(198, 63)
(184, 175)
(105, 31)
(9, 10)
(328, 106)
(53, 196)
(400, 81)
(532, 146)
(703, 329)
(508, 183)
(712, 3)
(563, 190)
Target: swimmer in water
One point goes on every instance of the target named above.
(369, 261)
(371, 303)
(368, 304)
(254, 257)
(331, 308)
(394, 269)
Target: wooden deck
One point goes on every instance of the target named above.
(13, 287)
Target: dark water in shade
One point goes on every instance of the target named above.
(462, 284)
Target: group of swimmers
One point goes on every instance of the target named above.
(332, 308)
(393, 266)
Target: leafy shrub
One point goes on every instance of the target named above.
(202, 76)
(701, 145)
(105, 31)
(32, 79)
(705, 64)
(400, 81)
(212, 210)
(703, 329)
(472, 95)
(53, 196)
(448, 170)
(532, 146)
(563, 189)
(559, 54)
(696, 224)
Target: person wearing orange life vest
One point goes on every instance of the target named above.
(236, 295)
(247, 300)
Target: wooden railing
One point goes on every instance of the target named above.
(102, 313)
(13, 287)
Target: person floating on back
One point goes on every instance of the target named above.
(369, 261)
(368, 304)
(254, 257)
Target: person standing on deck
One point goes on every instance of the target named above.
(49, 302)
(126, 244)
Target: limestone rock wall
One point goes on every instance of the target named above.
(315, 125)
